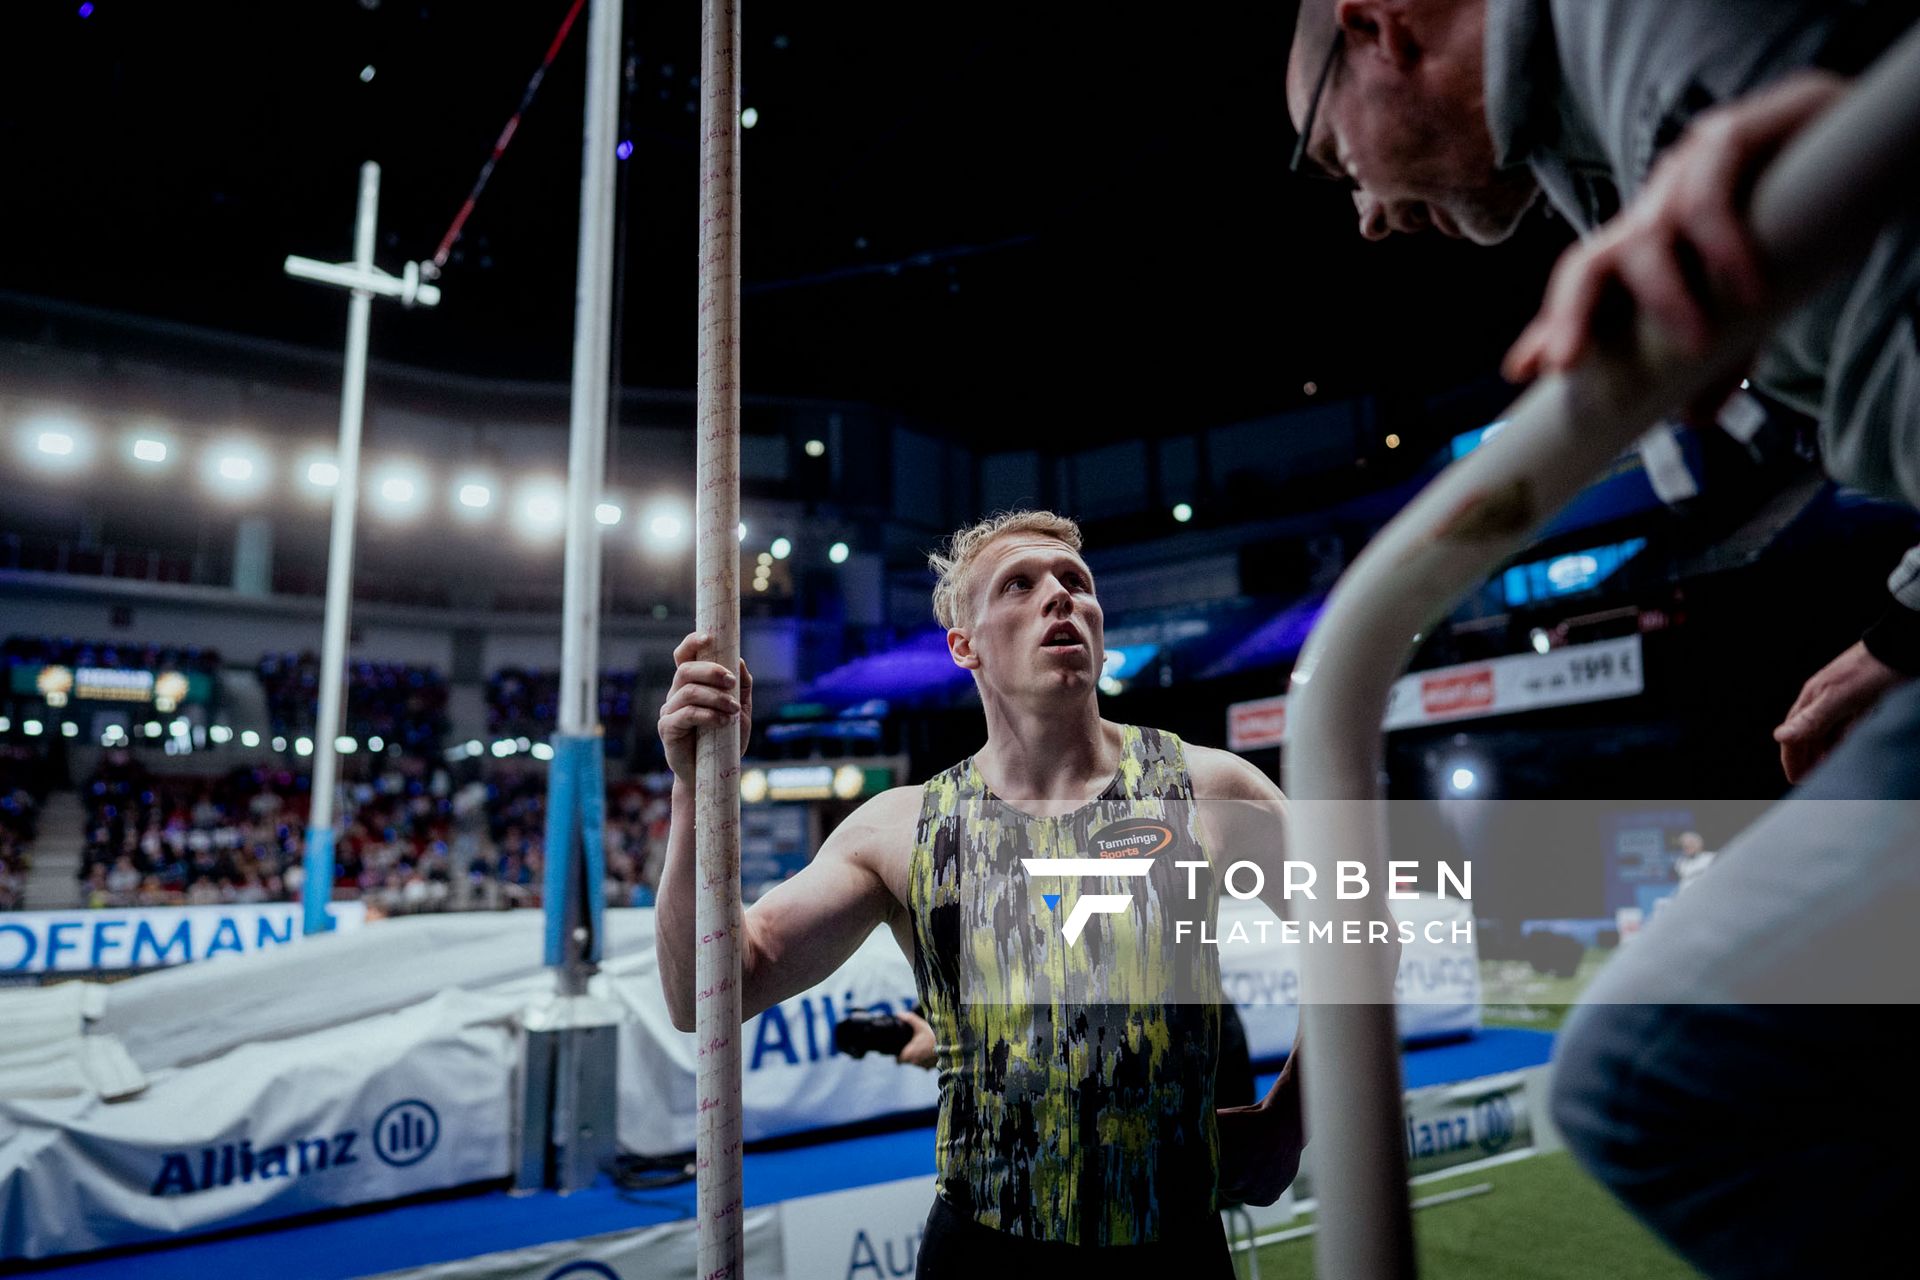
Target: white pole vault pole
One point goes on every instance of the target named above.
(718, 1197)
(1559, 436)
(364, 280)
(568, 1134)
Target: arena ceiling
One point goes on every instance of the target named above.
(1031, 223)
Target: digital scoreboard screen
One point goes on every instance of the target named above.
(61, 686)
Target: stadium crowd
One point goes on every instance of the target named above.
(526, 704)
(67, 652)
(411, 839)
(394, 702)
(21, 793)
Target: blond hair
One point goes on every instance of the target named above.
(953, 564)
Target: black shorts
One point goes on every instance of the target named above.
(958, 1248)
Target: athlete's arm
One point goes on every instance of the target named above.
(807, 927)
(804, 928)
(1244, 815)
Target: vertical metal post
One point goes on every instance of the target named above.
(571, 1070)
(717, 607)
(364, 280)
(576, 782)
(317, 888)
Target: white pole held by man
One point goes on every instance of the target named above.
(718, 1198)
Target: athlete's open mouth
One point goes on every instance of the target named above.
(1063, 635)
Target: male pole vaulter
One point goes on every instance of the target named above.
(1071, 1129)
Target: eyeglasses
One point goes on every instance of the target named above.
(1313, 107)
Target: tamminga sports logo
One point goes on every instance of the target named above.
(1132, 838)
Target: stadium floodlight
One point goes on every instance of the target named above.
(279, 743)
(503, 748)
(472, 496)
(740, 533)
(376, 743)
(838, 553)
(749, 117)
(32, 728)
(816, 448)
(540, 508)
(236, 469)
(542, 751)
(54, 442)
(248, 738)
(399, 490)
(303, 746)
(179, 728)
(220, 734)
(473, 747)
(153, 728)
(780, 549)
(321, 473)
(607, 513)
(345, 746)
(1463, 779)
(666, 526)
(149, 450)
(1182, 512)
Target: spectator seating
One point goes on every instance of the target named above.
(392, 701)
(22, 791)
(36, 650)
(526, 704)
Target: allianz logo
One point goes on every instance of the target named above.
(405, 1134)
(1489, 1124)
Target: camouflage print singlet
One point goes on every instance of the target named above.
(1076, 1095)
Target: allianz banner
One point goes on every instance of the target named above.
(370, 1111)
(110, 939)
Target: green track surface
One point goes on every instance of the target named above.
(1514, 994)
(1543, 1220)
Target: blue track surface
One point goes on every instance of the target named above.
(419, 1234)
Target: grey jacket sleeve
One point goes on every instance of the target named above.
(1895, 638)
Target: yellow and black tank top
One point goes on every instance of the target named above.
(1076, 1081)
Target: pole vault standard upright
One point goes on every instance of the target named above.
(717, 609)
(573, 883)
(365, 280)
(572, 1047)
(1559, 436)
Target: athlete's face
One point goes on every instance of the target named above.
(1036, 624)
